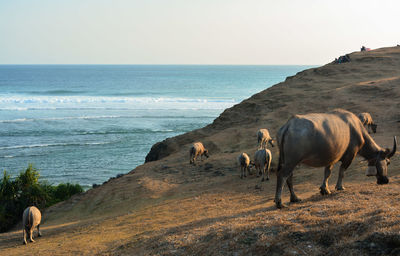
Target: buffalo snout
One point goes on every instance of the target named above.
(382, 180)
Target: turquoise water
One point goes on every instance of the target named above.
(87, 123)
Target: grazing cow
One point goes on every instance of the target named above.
(30, 220)
(263, 138)
(196, 150)
(321, 140)
(366, 120)
(262, 162)
(244, 163)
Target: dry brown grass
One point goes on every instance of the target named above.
(169, 207)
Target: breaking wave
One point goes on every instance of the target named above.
(19, 120)
(21, 103)
(54, 145)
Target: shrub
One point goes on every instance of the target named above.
(65, 191)
(26, 190)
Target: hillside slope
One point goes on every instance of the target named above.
(168, 207)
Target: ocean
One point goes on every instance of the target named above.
(86, 123)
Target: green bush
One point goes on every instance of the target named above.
(26, 190)
(65, 191)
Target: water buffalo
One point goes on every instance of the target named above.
(196, 150)
(263, 138)
(366, 120)
(244, 163)
(262, 162)
(30, 220)
(321, 140)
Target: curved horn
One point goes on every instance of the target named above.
(394, 148)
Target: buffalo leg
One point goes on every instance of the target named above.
(345, 164)
(324, 189)
(283, 174)
(262, 170)
(289, 182)
(194, 159)
(263, 173)
(268, 167)
(339, 184)
(25, 234)
(31, 235)
(278, 193)
(38, 229)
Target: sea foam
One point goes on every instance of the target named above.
(20, 103)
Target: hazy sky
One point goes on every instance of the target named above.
(192, 32)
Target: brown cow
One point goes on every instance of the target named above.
(321, 140)
(366, 120)
(30, 220)
(263, 138)
(244, 163)
(196, 150)
(262, 162)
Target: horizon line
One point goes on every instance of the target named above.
(116, 64)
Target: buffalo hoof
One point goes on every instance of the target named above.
(279, 204)
(339, 188)
(262, 180)
(294, 199)
(324, 191)
(24, 242)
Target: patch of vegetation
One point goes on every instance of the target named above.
(26, 190)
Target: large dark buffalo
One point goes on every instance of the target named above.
(322, 140)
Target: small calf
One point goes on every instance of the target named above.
(196, 150)
(263, 138)
(244, 163)
(262, 162)
(30, 220)
(366, 120)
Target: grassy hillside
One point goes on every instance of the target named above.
(168, 207)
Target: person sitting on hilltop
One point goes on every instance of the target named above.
(365, 49)
(342, 59)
